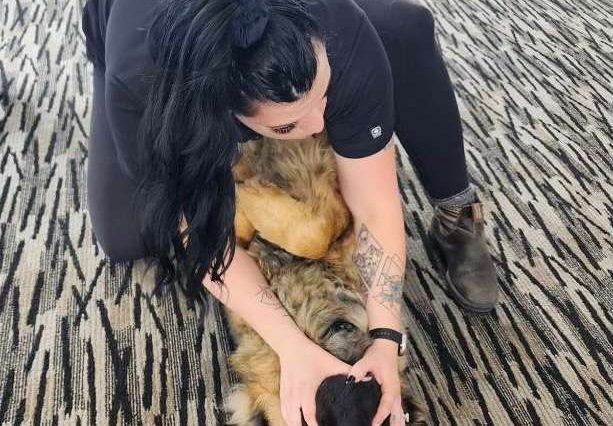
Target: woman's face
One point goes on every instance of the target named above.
(299, 119)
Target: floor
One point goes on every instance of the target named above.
(83, 342)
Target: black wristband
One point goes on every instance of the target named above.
(390, 334)
(386, 333)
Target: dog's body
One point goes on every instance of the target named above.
(318, 285)
(288, 192)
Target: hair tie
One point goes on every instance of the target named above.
(249, 22)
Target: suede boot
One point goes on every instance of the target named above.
(456, 235)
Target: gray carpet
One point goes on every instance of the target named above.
(82, 342)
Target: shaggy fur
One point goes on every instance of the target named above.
(292, 219)
(288, 192)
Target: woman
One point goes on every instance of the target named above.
(179, 83)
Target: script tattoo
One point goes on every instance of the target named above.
(390, 284)
(367, 256)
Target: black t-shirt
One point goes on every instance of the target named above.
(359, 115)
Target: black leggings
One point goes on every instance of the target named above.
(427, 124)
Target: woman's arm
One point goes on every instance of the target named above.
(303, 363)
(247, 293)
(371, 192)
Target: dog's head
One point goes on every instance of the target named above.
(325, 306)
(330, 309)
(347, 403)
(341, 403)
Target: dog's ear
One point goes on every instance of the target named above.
(347, 404)
(270, 257)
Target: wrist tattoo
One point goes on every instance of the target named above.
(367, 256)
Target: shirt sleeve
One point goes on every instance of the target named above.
(363, 121)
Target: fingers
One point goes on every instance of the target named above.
(293, 411)
(359, 370)
(308, 411)
(290, 409)
(397, 418)
(385, 408)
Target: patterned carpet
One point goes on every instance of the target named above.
(82, 342)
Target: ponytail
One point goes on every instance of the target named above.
(249, 22)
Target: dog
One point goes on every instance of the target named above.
(293, 222)
(289, 193)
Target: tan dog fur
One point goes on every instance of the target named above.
(287, 191)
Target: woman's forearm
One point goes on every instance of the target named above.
(380, 256)
(369, 186)
(247, 293)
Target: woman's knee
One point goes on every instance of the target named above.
(109, 195)
(118, 246)
(112, 215)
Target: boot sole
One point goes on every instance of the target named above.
(455, 294)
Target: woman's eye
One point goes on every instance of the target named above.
(286, 129)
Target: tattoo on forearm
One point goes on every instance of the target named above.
(390, 283)
(367, 256)
(268, 297)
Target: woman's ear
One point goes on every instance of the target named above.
(239, 117)
(248, 132)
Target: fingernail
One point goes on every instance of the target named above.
(350, 379)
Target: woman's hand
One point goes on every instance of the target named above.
(302, 371)
(381, 359)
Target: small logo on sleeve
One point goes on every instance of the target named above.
(375, 132)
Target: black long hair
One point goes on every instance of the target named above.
(212, 58)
